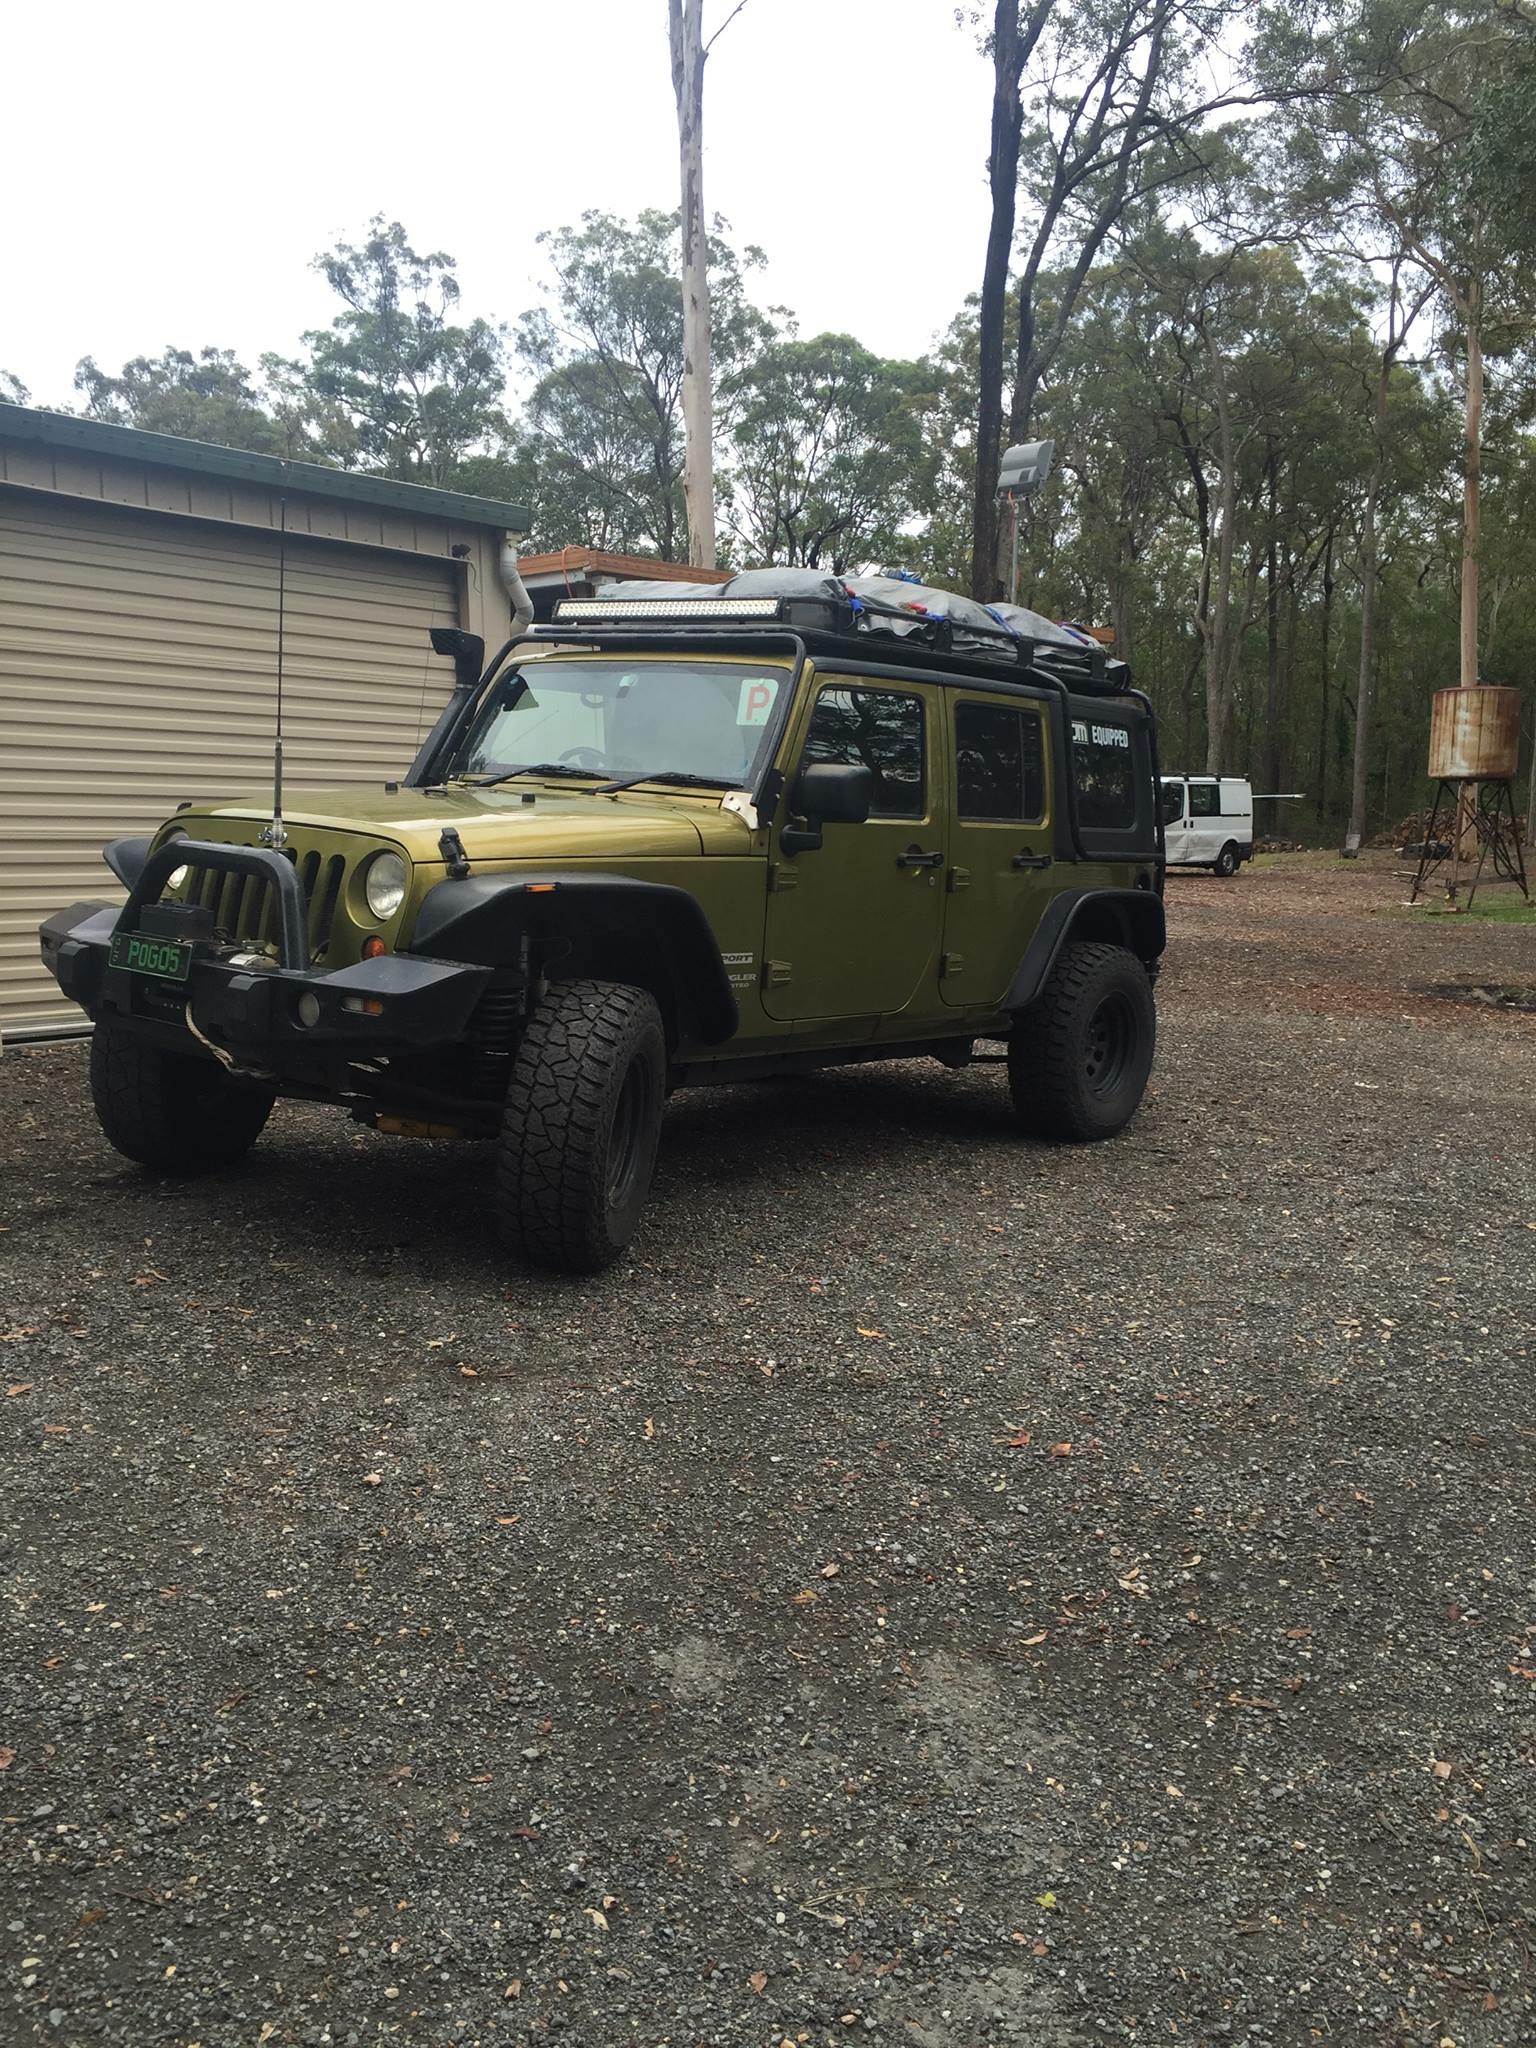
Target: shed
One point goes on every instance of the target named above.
(139, 607)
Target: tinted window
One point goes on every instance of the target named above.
(1104, 766)
(1173, 802)
(999, 762)
(1204, 800)
(881, 730)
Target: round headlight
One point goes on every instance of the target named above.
(384, 885)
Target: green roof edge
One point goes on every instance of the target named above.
(208, 458)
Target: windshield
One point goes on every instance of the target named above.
(689, 720)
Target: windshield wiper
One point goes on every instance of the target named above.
(532, 768)
(662, 775)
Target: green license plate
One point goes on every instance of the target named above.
(169, 959)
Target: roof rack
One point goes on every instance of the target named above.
(889, 632)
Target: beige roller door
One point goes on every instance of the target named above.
(138, 667)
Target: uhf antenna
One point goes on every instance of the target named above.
(275, 834)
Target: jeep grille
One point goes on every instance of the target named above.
(242, 905)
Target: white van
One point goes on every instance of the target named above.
(1208, 822)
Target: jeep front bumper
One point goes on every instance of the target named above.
(280, 1016)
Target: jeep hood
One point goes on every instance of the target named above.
(499, 824)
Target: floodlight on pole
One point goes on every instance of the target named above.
(1023, 468)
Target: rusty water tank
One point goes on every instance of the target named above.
(1474, 734)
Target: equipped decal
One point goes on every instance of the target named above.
(1101, 735)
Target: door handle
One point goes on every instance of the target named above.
(1032, 860)
(916, 858)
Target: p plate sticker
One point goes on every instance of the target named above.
(756, 700)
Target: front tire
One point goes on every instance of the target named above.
(580, 1127)
(1080, 1055)
(171, 1111)
(1228, 861)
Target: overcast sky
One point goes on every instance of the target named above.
(170, 170)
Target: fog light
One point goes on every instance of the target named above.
(309, 1008)
(363, 1006)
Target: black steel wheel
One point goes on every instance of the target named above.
(173, 1112)
(1079, 1056)
(580, 1126)
(1228, 861)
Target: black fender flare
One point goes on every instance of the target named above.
(483, 919)
(1132, 918)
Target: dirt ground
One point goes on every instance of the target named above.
(942, 1590)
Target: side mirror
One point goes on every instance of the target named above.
(827, 793)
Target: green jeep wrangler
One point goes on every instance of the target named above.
(656, 843)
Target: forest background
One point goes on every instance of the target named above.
(1267, 276)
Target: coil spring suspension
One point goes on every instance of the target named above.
(493, 1029)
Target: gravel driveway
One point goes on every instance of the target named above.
(942, 1591)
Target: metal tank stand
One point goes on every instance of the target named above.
(1492, 820)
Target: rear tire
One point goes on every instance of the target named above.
(579, 1131)
(171, 1111)
(1080, 1055)
(1228, 861)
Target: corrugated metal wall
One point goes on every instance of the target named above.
(137, 668)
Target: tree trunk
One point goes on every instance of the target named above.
(1471, 495)
(1355, 831)
(685, 24)
(1272, 674)
(1220, 647)
(1322, 713)
(1003, 177)
(1471, 501)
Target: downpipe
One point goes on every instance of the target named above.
(512, 583)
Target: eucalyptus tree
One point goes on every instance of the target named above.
(1115, 97)
(832, 453)
(208, 395)
(615, 305)
(397, 384)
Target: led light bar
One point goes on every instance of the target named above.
(573, 608)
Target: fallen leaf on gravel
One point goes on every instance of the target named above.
(7, 1758)
(1441, 1770)
(96, 1607)
(868, 1333)
(853, 1962)
(468, 1372)
(830, 1571)
(598, 1917)
(1173, 1792)
(759, 1981)
(529, 1834)
(55, 1429)
(1062, 1450)
(1522, 1671)
(373, 1479)
(514, 1989)
(1019, 1441)
(804, 1599)
(1046, 1899)
(650, 1430)
(268, 2029)
(21, 1387)
(1297, 1635)
(506, 1521)
(1031, 1641)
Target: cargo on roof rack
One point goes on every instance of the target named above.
(895, 618)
